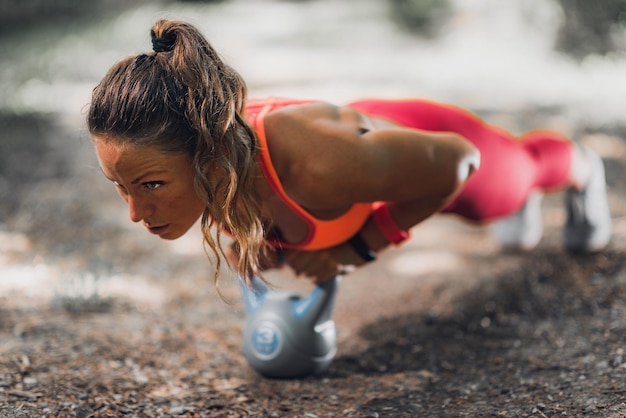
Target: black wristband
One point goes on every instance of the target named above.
(360, 247)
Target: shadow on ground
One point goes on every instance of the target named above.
(548, 337)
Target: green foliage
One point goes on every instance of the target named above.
(19, 15)
(592, 26)
(423, 17)
(26, 156)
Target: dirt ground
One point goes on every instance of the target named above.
(446, 325)
(99, 319)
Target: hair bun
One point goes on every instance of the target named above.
(163, 43)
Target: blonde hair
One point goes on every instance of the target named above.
(182, 98)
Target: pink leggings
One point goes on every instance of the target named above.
(510, 167)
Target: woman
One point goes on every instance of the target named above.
(312, 185)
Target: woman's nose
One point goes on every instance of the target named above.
(138, 209)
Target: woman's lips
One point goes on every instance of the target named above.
(158, 230)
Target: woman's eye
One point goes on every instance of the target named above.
(153, 185)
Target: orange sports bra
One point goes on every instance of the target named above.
(321, 233)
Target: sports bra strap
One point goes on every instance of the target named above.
(321, 233)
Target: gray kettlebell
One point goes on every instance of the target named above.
(287, 335)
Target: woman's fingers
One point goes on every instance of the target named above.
(319, 266)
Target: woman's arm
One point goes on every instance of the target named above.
(329, 158)
(424, 171)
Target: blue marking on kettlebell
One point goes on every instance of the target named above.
(267, 341)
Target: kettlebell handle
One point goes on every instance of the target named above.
(253, 294)
(317, 308)
(311, 310)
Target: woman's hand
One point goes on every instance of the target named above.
(321, 265)
(272, 258)
(318, 266)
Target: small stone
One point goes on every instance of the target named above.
(178, 410)
(30, 381)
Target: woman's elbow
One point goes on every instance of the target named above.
(468, 163)
(464, 159)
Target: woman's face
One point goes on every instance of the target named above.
(158, 187)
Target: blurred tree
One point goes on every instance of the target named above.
(24, 14)
(592, 27)
(201, 1)
(423, 17)
(24, 147)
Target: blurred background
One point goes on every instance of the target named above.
(65, 235)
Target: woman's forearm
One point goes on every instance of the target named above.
(465, 160)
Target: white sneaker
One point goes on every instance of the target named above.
(522, 231)
(588, 226)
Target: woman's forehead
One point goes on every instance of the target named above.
(117, 159)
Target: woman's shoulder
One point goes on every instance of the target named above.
(303, 109)
(309, 144)
(314, 117)
(280, 106)
(296, 132)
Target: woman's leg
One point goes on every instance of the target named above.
(553, 157)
